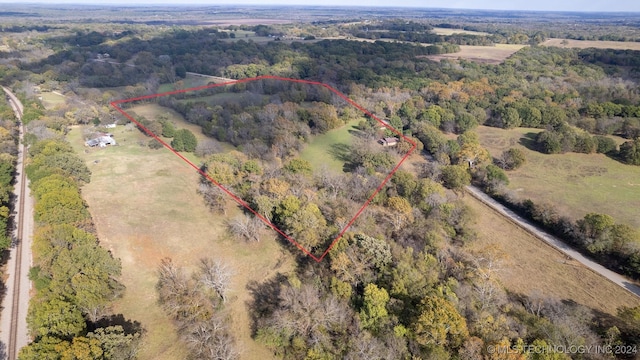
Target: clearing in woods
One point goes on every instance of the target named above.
(323, 151)
(482, 54)
(145, 207)
(153, 111)
(51, 99)
(575, 184)
(584, 44)
(448, 31)
(189, 81)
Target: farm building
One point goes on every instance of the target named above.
(102, 140)
(388, 141)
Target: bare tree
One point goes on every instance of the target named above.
(487, 263)
(172, 287)
(535, 303)
(216, 276)
(245, 227)
(215, 199)
(207, 147)
(211, 340)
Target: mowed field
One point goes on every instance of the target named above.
(145, 207)
(531, 267)
(50, 99)
(323, 151)
(575, 184)
(482, 54)
(584, 44)
(447, 31)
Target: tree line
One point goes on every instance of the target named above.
(8, 153)
(75, 278)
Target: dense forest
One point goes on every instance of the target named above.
(402, 282)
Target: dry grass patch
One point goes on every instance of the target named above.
(575, 184)
(447, 32)
(482, 54)
(532, 266)
(145, 207)
(584, 44)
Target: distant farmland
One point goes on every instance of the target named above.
(482, 54)
(584, 44)
(447, 31)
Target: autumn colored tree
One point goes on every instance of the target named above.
(439, 323)
(374, 312)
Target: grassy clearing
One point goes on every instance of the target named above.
(246, 36)
(152, 111)
(584, 44)
(447, 31)
(50, 100)
(145, 207)
(531, 266)
(575, 183)
(188, 82)
(323, 151)
(482, 54)
(225, 97)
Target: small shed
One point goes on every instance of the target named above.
(388, 141)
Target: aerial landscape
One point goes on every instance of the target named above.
(302, 181)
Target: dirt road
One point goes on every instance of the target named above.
(618, 279)
(13, 319)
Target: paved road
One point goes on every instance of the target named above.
(618, 279)
(24, 215)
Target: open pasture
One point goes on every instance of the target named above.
(575, 184)
(145, 207)
(447, 31)
(585, 44)
(482, 54)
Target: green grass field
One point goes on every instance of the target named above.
(152, 111)
(225, 97)
(247, 35)
(188, 82)
(575, 183)
(322, 150)
(50, 100)
(145, 207)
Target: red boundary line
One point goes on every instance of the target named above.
(239, 200)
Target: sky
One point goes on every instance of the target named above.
(542, 5)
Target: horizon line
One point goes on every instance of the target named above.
(258, 5)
